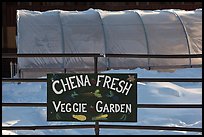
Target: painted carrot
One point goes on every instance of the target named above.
(79, 117)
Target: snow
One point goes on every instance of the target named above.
(148, 92)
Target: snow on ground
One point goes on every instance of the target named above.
(148, 92)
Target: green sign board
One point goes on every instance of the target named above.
(92, 97)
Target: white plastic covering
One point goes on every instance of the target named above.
(109, 32)
(82, 33)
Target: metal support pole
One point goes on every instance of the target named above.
(95, 65)
(11, 69)
(15, 68)
(96, 71)
(19, 73)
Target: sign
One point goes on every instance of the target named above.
(92, 97)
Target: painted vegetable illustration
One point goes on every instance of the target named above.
(57, 116)
(97, 93)
(131, 78)
(124, 116)
(79, 117)
(93, 81)
(100, 117)
(110, 94)
(74, 94)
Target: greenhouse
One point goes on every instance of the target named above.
(95, 31)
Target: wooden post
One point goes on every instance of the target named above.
(4, 26)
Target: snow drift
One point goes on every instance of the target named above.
(148, 92)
